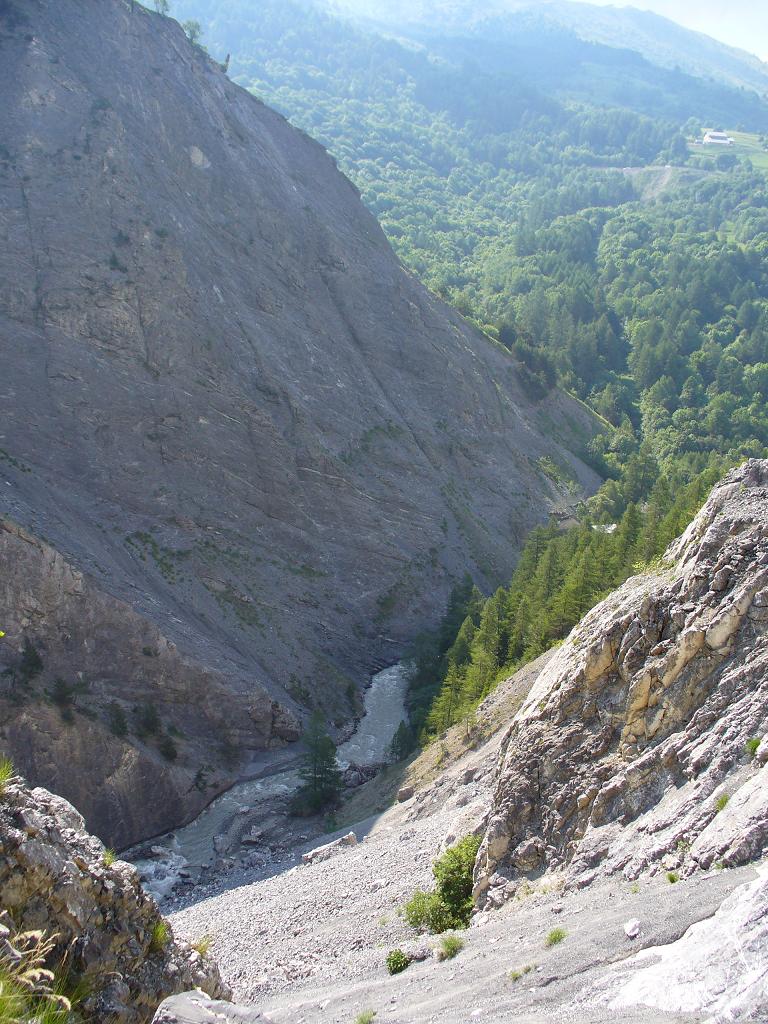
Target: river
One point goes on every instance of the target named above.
(192, 848)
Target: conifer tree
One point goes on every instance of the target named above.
(319, 771)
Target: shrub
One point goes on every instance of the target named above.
(6, 773)
(161, 936)
(118, 723)
(450, 946)
(31, 663)
(167, 748)
(426, 910)
(751, 746)
(61, 693)
(450, 905)
(366, 1017)
(672, 877)
(722, 802)
(147, 720)
(397, 961)
(108, 857)
(555, 936)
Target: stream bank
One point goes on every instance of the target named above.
(248, 827)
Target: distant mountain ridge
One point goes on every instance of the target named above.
(659, 40)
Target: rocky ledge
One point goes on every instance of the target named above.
(108, 933)
(643, 745)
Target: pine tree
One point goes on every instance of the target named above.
(402, 743)
(319, 771)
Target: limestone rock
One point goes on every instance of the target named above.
(329, 849)
(719, 968)
(630, 751)
(53, 876)
(197, 1008)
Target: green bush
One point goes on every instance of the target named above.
(397, 961)
(118, 723)
(672, 877)
(722, 802)
(147, 721)
(427, 911)
(167, 748)
(366, 1017)
(751, 745)
(450, 905)
(31, 663)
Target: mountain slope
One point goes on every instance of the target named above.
(224, 402)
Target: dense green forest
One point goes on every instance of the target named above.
(561, 576)
(586, 237)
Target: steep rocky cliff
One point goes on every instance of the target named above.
(105, 710)
(109, 938)
(643, 743)
(227, 410)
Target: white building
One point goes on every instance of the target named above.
(717, 139)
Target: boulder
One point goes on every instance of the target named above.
(329, 849)
(197, 1008)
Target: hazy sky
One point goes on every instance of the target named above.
(741, 23)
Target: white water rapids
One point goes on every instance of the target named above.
(192, 847)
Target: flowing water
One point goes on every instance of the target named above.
(192, 847)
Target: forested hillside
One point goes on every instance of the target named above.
(521, 178)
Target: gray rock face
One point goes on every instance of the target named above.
(632, 753)
(54, 877)
(225, 404)
(719, 968)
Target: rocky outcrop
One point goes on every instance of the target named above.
(224, 400)
(640, 747)
(109, 935)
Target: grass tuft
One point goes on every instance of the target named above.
(108, 858)
(672, 877)
(450, 946)
(722, 802)
(751, 746)
(366, 1017)
(520, 972)
(6, 774)
(203, 944)
(555, 936)
(161, 936)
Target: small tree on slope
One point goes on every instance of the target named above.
(319, 773)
